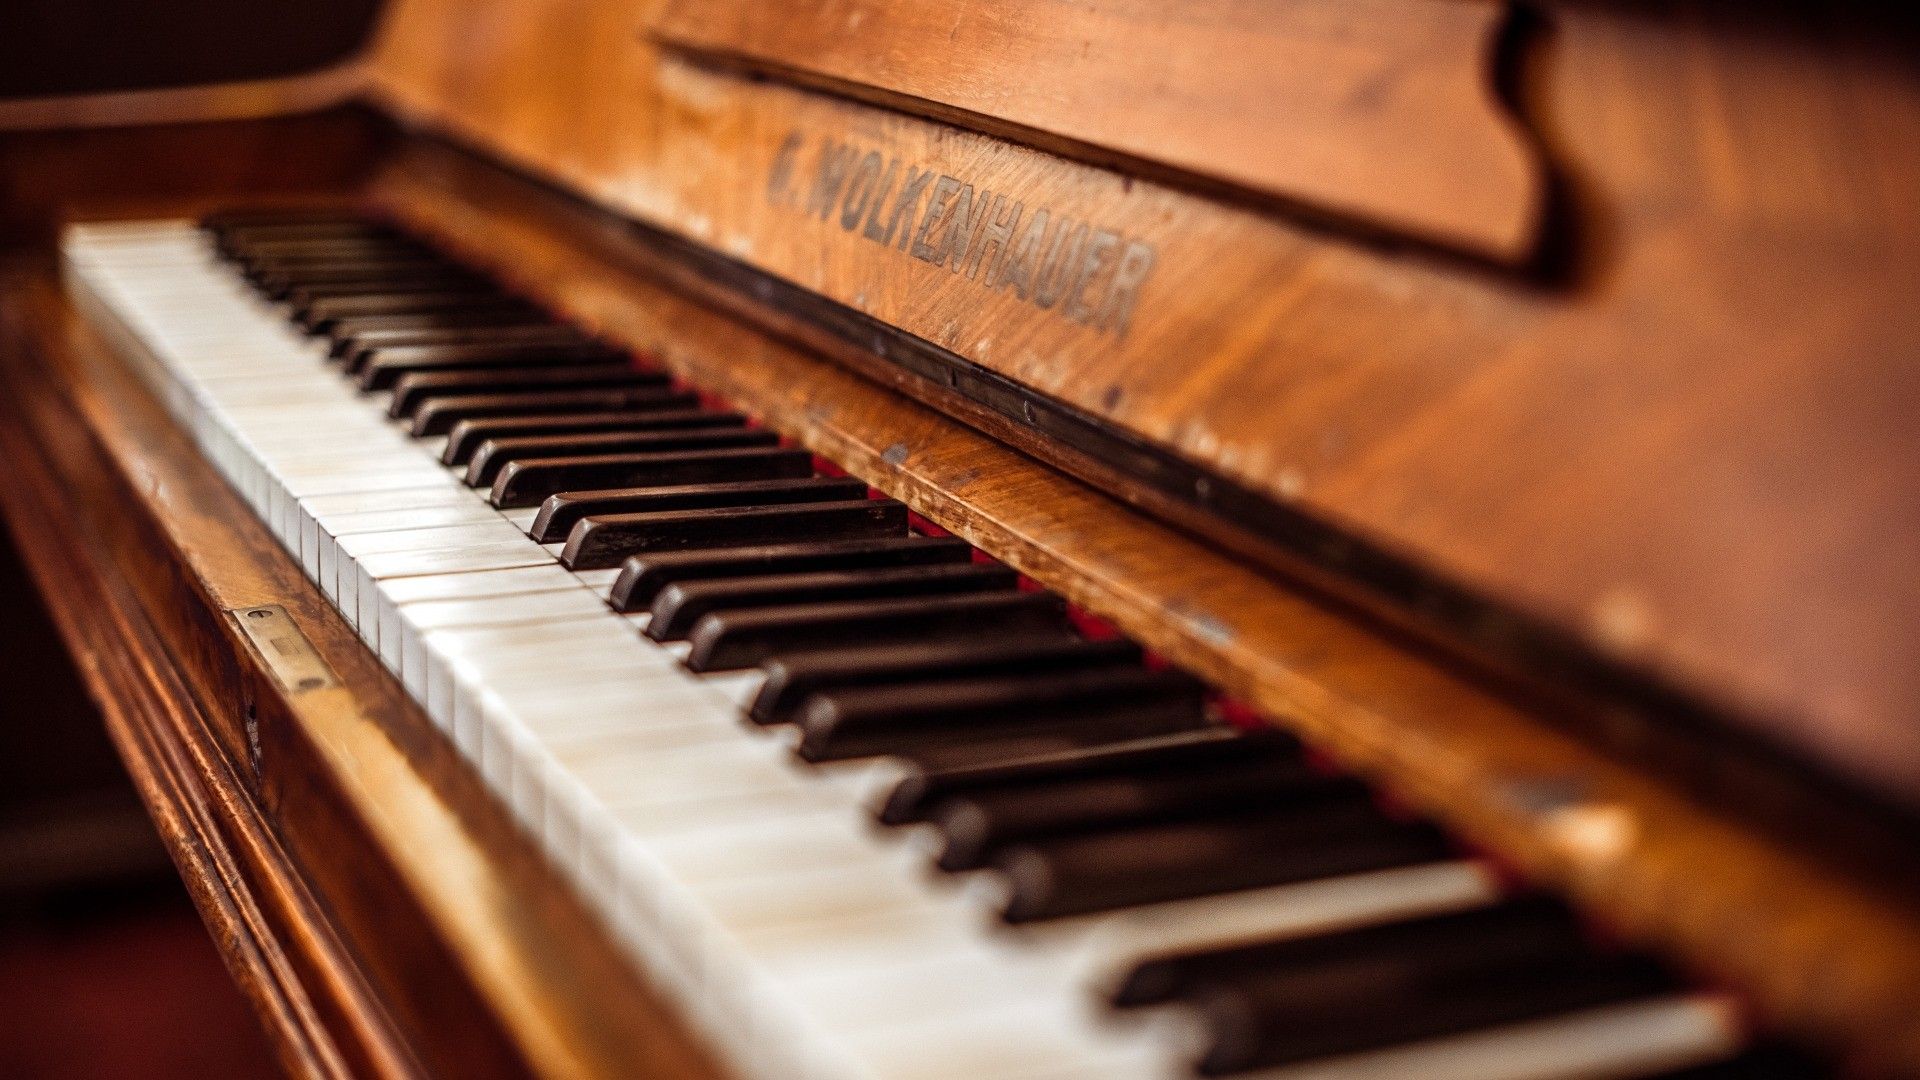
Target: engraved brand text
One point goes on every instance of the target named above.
(1075, 269)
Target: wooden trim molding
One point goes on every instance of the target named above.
(221, 101)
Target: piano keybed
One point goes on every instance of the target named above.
(860, 799)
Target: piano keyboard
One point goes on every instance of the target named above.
(858, 798)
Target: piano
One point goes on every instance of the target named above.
(1327, 540)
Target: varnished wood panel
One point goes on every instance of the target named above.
(1381, 111)
(1812, 920)
(1687, 450)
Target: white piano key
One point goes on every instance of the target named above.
(600, 581)
(395, 593)
(424, 617)
(473, 533)
(317, 513)
(522, 517)
(374, 568)
(335, 526)
(369, 502)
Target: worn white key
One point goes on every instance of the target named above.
(390, 634)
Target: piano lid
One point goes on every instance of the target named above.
(1678, 434)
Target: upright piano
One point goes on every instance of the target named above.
(1304, 540)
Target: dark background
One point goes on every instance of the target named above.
(52, 47)
(106, 972)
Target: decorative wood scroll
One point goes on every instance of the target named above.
(1381, 112)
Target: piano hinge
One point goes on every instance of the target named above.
(287, 652)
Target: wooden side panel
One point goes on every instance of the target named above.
(1691, 453)
(1382, 112)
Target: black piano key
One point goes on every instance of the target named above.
(1512, 929)
(602, 542)
(681, 605)
(926, 783)
(1025, 739)
(321, 316)
(788, 682)
(1768, 1061)
(539, 332)
(487, 353)
(978, 824)
(241, 218)
(1150, 864)
(241, 244)
(441, 415)
(496, 454)
(278, 278)
(252, 221)
(728, 640)
(301, 295)
(315, 314)
(279, 274)
(384, 367)
(560, 513)
(392, 291)
(862, 721)
(643, 576)
(316, 249)
(529, 481)
(313, 246)
(257, 257)
(341, 332)
(416, 388)
(1006, 737)
(464, 439)
(1282, 1021)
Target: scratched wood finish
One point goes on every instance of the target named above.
(1827, 944)
(1690, 451)
(384, 913)
(1379, 111)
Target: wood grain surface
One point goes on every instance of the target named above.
(1383, 112)
(1683, 443)
(1688, 450)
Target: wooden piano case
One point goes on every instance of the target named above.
(1369, 460)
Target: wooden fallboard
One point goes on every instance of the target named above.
(1685, 444)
